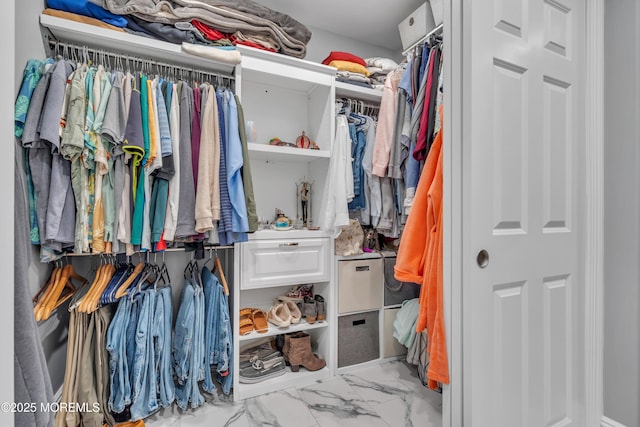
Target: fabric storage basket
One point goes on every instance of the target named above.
(416, 26)
(358, 338)
(394, 291)
(391, 346)
(359, 285)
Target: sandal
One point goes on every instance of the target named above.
(280, 315)
(294, 310)
(246, 321)
(260, 321)
(246, 326)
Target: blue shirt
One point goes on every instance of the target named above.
(235, 162)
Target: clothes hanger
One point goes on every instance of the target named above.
(122, 290)
(60, 290)
(223, 279)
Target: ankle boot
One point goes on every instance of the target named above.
(300, 354)
(309, 310)
(320, 308)
(287, 345)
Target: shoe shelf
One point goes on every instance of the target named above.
(287, 380)
(274, 330)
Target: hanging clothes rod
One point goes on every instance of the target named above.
(59, 47)
(352, 102)
(436, 30)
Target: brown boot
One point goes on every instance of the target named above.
(300, 354)
(287, 345)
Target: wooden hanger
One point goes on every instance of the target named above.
(55, 295)
(218, 266)
(122, 290)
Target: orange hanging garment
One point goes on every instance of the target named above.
(419, 260)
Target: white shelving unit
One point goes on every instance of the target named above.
(358, 92)
(283, 97)
(285, 154)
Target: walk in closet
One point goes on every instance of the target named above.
(412, 240)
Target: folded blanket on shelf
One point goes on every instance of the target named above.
(381, 65)
(214, 53)
(84, 8)
(80, 18)
(227, 16)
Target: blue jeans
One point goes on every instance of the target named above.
(120, 390)
(144, 391)
(163, 315)
(211, 317)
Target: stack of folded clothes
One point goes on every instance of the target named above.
(219, 23)
(378, 69)
(351, 68)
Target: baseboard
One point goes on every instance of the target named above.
(608, 422)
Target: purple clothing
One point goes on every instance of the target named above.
(195, 134)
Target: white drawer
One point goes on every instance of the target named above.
(267, 263)
(360, 284)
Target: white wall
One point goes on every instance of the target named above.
(622, 213)
(322, 43)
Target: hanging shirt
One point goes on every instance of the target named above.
(186, 223)
(171, 217)
(334, 204)
(247, 179)
(209, 138)
(235, 162)
(386, 122)
(225, 226)
(30, 77)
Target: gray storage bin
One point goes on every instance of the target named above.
(358, 338)
(396, 292)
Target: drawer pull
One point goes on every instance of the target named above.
(362, 268)
(288, 244)
(359, 322)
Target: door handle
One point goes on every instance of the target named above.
(483, 258)
(289, 244)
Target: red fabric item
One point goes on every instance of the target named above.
(344, 56)
(235, 41)
(420, 152)
(208, 32)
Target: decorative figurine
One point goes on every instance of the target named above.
(304, 202)
(303, 141)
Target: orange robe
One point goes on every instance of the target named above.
(420, 260)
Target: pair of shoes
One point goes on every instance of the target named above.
(262, 352)
(262, 369)
(283, 314)
(298, 293)
(297, 352)
(253, 318)
(314, 309)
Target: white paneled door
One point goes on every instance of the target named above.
(523, 298)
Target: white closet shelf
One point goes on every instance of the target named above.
(274, 330)
(143, 47)
(270, 69)
(287, 380)
(285, 154)
(289, 234)
(357, 92)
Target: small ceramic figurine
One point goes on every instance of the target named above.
(303, 141)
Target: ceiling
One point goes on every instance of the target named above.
(372, 21)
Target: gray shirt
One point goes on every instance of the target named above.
(187, 200)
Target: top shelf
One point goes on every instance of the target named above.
(144, 47)
(358, 92)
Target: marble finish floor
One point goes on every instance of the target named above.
(386, 395)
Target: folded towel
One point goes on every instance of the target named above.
(381, 65)
(213, 53)
(343, 56)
